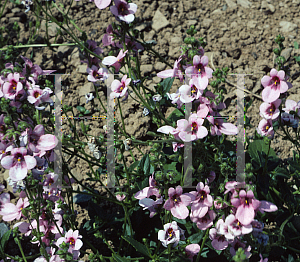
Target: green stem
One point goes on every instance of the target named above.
(202, 245)
(3, 9)
(267, 156)
(21, 249)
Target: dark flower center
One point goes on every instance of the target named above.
(170, 233)
(122, 9)
(72, 241)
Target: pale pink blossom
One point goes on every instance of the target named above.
(246, 204)
(10, 211)
(192, 129)
(265, 128)
(18, 163)
(73, 238)
(270, 110)
(115, 61)
(175, 72)
(101, 4)
(219, 242)
(96, 74)
(274, 85)
(192, 250)
(203, 200)
(199, 72)
(119, 89)
(148, 191)
(178, 202)
(205, 221)
(124, 11)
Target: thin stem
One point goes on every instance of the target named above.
(202, 245)
(3, 8)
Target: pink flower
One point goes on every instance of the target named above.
(236, 245)
(73, 238)
(172, 72)
(101, 4)
(47, 142)
(148, 191)
(233, 227)
(245, 204)
(170, 234)
(205, 221)
(192, 129)
(151, 205)
(108, 37)
(266, 206)
(292, 105)
(274, 85)
(178, 202)
(202, 202)
(124, 11)
(119, 89)
(219, 241)
(13, 87)
(30, 138)
(219, 127)
(183, 95)
(270, 110)
(115, 61)
(199, 72)
(192, 250)
(120, 197)
(231, 186)
(37, 96)
(265, 128)
(10, 211)
(96, 74)
(18, 163)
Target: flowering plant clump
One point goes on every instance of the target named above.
(183, 200)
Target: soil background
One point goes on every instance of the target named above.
(239, 33)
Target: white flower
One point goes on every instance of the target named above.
(89, 97)
(171, 234)
(157, 98)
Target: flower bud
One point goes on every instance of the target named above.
(276, 51)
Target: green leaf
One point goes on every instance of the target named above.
(119, 258)
(4, 240)
(296, 45)
(133, 166)
(167, 84)
(138, 246)
(258, 149)
(180, 221)
(175, 115)
(145, 164)
(196, 238)
(81, 109)
(279, 171)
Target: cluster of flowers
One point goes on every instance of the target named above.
(274, 85)
(32, 150)
(227, 230)
(193, 129)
